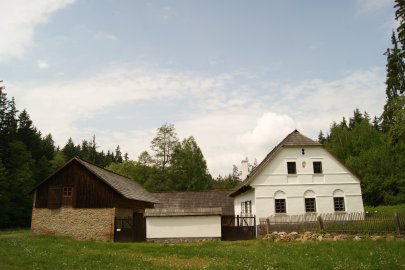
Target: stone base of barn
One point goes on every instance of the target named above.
(78, 223)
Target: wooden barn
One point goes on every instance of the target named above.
(84, 201)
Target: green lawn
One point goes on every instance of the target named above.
(387, 209)
(21, 250)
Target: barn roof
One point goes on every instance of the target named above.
(164, 212)
(128, 188)
(295, 138)
(196, 200)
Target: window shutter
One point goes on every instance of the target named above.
(54, 197)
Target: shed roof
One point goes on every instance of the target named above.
(196, 200)
(295, 138)
(164, 212)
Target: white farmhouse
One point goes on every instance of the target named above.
(298, 176)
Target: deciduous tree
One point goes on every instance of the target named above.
(163, 145)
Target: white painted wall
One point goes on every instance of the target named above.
(183, 226)
(274, 178)
(247, 196)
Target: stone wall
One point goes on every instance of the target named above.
(313, 236)
(79, 223)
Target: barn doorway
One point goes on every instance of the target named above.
(130, 229)
(139, 227)
(238, 227)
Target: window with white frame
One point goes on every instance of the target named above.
(280, 206)
(246, 208)
(310, 205)
(339, 204)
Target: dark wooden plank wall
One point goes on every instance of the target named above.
(88, 190)
(137, 206)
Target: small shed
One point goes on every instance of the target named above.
(183, 224)
(187, 215)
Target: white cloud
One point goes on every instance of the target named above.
(56, 107)
(231, 117)
(270, 129)
(18, 21)
(42, 64)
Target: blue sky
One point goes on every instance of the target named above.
(237, 75)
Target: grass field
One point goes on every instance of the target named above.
(21, 250)
(387, 209)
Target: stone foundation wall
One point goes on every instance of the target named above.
(79, 223)
(313, 236)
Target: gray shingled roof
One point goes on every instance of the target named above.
(128, 188)
(293, 139)
(196, 199)
(162, 212)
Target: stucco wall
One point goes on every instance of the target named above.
(246, 196)
(274, 178)
(183, 227)
(79, 223)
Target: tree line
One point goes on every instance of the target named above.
(375, 148)
(174, 165)
(28, 157)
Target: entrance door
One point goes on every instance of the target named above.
(139, 227)
(123, 230)
(130, 229)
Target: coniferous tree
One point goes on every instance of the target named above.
(70, 150)
(321, 137)
(4, 197)
(395, 83)
(118, 154)
(400, 16)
